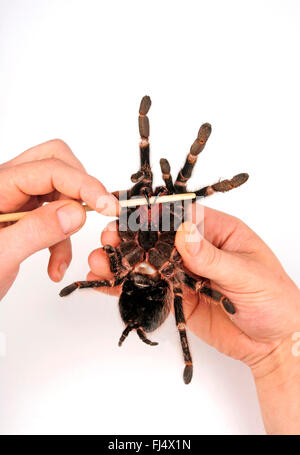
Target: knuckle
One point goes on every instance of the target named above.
(236, 220)
(90, 181)
(53, 162)
(212, 256)
(61, 150)
(60, 144)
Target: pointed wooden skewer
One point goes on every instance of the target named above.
(125, 203)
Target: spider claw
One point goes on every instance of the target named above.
(143, 337)
(239, 179)
(228, 306)
(109, 249)
(153, 343)
(145, 193)
(188, 374)
(68, 289)
(165, 166)
(145, 105)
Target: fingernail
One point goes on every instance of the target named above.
(70, 218)
(192, 239)
(107, 204)
(62, 270)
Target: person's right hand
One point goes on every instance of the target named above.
(262, 331)
(49, 172)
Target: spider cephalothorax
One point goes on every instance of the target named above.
(146, 263)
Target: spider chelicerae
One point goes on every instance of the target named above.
(146, 263)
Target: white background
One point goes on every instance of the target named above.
(77, 70)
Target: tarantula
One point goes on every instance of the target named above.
(146, 263)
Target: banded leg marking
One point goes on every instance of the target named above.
(196, 148)
(223, 186)
(180, 322)
(88, 284)
(143, 178)
(217, 297)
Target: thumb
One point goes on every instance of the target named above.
(204, 259)
(40, 229)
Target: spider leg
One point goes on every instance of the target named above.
(115, 259)
(201, 285)
(166, 174)
(143, 337)
(143, 178)
(131, 253)
(125, 334)
(223, 186)
(164, 257)
(116, 267)
(180, 322)
(159, 191)
(189, 281)
(89, 284)
(197, 147)
(217, 297)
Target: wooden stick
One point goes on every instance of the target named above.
(126, 203)
(158, 200)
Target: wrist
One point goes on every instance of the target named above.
(277, 380)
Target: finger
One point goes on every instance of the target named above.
(217, 227)
(109, 291)
(99, 264)
(231, 234)
(60, 258)
(210, 323)
(7, 277)
(20, 182)
(41, 228)
(204, 259)
(60, 253)
(110, 235)
(56, 148)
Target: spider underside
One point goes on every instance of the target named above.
(146, 263)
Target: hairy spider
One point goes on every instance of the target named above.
(146, 263)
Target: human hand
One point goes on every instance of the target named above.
(243, 268)
(49, 172)
(240, 266)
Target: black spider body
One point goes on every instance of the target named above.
(146, 263)
(145, 301)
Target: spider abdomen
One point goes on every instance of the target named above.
(145, 302)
